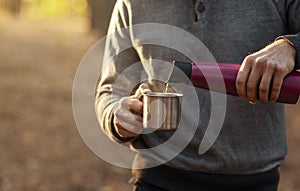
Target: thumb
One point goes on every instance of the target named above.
(143, 88)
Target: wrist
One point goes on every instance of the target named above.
(294, 42)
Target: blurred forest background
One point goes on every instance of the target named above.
(41, 44)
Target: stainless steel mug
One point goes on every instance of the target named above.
(162, 111)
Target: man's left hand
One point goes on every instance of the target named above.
(262, 73)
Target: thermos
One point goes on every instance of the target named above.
(201, 73)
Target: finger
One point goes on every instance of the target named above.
(276, 87)
(135, 106)
(127, 129)
(252, 85)
(133, 119)
(143, 88)
(123, 114)
(265, 84)
(146, 91)
(242, 77)
(124, 102)
(124, 133)
(264, 88)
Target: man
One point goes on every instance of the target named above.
(252, 143)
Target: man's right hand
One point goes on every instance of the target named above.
(128, 121)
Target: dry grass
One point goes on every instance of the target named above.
(39, 143)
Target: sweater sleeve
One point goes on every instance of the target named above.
(116, 79)
(292, 9)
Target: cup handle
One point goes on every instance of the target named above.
(141, 98)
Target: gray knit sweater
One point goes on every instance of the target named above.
(252, 138)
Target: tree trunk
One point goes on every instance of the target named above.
(100, 12)
(13, 6)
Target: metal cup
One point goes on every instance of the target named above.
(162, 111)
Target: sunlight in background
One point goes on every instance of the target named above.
(55, 8)
(94, 12)
(47, 8)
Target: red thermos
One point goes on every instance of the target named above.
(202, 73)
